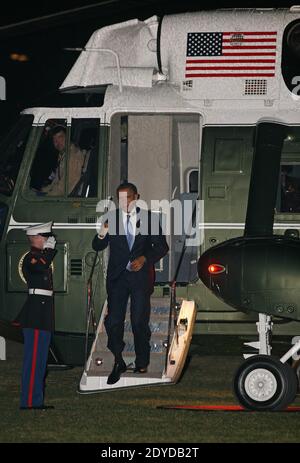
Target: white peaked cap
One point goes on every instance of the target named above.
(38, 229)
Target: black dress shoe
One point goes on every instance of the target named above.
(140, 370)
(117, 370)
(40, 407)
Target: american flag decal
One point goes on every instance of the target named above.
(230, 54)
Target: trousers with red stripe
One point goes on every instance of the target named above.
(36, 348)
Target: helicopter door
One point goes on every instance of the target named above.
(159, 153)
(227, 154)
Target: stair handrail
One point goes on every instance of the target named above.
(172, 284)
(90, 312)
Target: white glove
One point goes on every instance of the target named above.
(50, 243)
(103, 231)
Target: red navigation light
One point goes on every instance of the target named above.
(214, 269)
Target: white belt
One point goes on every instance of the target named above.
(41, 292)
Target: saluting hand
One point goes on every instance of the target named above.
(50, 243)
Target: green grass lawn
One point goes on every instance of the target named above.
(132, 416)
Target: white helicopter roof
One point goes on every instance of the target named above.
(221, 54)
(125, 51)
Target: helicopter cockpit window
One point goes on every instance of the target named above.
(66, 160)
(47, 161)
(288, 196)
(83, 164)
(288, 199)
(12, 151)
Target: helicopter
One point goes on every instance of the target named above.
(258, 272)
(178, 105)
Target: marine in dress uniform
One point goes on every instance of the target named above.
(130, 272)
(37, 315)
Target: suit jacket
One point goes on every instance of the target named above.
(149, 242)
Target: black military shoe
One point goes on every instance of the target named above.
(118, 369)
(40, 407)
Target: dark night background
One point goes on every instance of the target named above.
(42, 29)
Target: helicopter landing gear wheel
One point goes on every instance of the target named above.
(263, 383)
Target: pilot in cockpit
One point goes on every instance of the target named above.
(78, 161)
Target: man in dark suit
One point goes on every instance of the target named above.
(136, 243)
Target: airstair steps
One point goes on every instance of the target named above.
(102, 360)
(162, 361)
